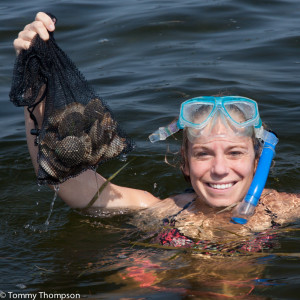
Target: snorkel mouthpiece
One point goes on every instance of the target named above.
(164, 132)
(246, 208)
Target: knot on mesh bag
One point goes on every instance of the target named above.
(79, 130)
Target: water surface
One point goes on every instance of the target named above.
(144, 58)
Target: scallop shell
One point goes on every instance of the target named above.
(70, 151)
(50, 140)
(57, 116)
(54, 119)
(86, 140)
(94, 110)
(98, 154)
(72, 124)
(107, 119)
(74, 107)
(97, 134)
(116, 146)
(108, 123)
(48, 167)
(50, 164)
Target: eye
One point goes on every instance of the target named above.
(235, 153)
(201, 154)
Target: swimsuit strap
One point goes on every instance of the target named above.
(171, 219)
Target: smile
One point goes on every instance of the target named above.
(223, 186)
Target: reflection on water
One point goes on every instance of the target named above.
(145, 58)
(130, 270)
(184, 274)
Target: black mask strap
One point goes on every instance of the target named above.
(30, 108)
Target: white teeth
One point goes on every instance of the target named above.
(221, 186)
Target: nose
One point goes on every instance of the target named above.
(219, 166)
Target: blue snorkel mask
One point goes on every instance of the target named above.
(238, 116)
(196, 114)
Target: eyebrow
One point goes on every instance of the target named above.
(227, 147)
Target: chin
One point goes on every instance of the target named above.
(220, 202)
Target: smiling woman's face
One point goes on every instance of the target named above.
(220, 159)
(221, 169)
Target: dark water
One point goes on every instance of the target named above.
(145, 58)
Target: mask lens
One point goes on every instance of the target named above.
(197, 114)
(241, 112)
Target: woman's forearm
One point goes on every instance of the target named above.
(75, 192)
(29, 125)
(78, 191)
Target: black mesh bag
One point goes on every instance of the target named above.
(79, 131)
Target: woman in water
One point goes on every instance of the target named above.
(219, 159)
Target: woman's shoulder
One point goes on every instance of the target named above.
(276, 208)
(276, 198)
(152, 217)
(171, 205)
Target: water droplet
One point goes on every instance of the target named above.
(102, 41)
(123, 157)
(21, 286)
(56, 189)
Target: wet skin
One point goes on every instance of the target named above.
(221, 170)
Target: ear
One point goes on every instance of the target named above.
(185, 166)
(186, 171)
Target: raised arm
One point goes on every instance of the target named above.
(76, 192)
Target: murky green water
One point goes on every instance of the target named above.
(144, 58)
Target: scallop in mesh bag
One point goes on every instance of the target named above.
(79, 131)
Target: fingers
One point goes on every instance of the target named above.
(42, 24)
(20, 45)
(45, 20)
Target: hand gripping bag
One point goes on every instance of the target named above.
(79, 131)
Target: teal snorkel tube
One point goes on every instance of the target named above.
(246, 208)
